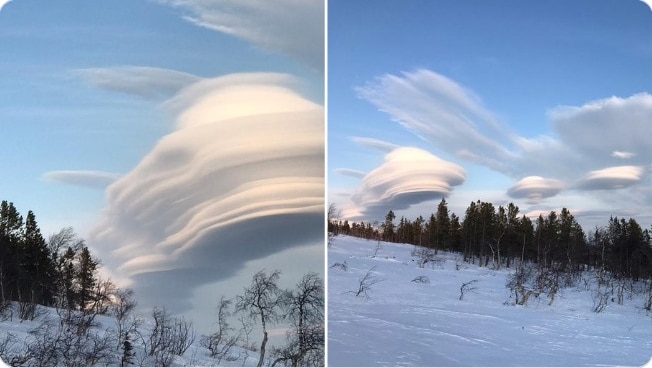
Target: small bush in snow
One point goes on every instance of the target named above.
(421, 279)
(341, 266)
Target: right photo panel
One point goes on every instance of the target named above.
(489, 183)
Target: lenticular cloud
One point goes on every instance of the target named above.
(241, 178)
(535, 188)
(408, 176)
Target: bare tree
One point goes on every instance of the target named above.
(261, 300)
(169, 336)
(245, 332)
(221, 341)
(305, 311)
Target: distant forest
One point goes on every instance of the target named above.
(499, 236)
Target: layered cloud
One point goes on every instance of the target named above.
(407, 176)
(90, 179)
(242, 177)
(285, 26)
(616, 177)
(143, 81)
(535, 188)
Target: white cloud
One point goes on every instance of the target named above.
(374, 143)
(90, 179)
(3, 3)
(142, 81)
(241, 178)
(622, 154)
(351, 172)
(408, 176)
(291, 27)
(442, 112)
(535, 188)
(584, 139)
(616, 177)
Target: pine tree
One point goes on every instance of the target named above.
(86, 278)
(388, 227)
(38, 269)
(443, 225)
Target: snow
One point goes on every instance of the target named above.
(195, 356)
(405, 323)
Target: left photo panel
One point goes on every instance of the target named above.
(162, 166)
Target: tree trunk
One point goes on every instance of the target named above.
(262, 349)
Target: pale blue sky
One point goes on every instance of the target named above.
(507, 67)
(113, 116)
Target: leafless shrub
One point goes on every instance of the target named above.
(521, 283)
(7, 345)
(425, 256)
(343, 266)
(365, 283)
(421, 279)
(58, 343)
(27, 311)
(221, 342)
(467, 287)
(169, 337)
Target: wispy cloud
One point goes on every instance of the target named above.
(89, 179)
(441, 111)
(351, 172)
(142, 81)
(408, 176)
(241, 178)
(622, 154)
(374, 143)
(285, 26)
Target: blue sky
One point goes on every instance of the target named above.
(141, 122)
(546, 104)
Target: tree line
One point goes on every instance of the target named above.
(499, 236)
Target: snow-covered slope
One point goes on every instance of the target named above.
(16, 335)
(405, 323)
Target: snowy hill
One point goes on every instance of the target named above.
(403, 322)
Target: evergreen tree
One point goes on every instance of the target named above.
(388, 227)
(86, 278)
(38, 269)
(443, 226)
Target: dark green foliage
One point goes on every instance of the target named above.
(35, 272)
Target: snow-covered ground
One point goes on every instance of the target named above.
(405, 323)
(22, 333)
